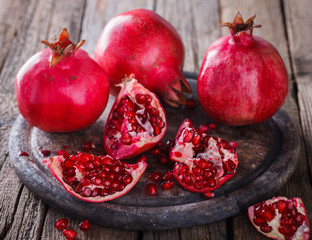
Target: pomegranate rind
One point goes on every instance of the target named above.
(56, 169)
(143, 142)
(302, 233)
(214, 152)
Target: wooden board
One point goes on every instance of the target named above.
(268, 153)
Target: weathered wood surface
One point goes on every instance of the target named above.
(24, 23)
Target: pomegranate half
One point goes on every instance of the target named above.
(142, 42)
(95, 178)
(243, 79)
(281, 218)
(137, 121)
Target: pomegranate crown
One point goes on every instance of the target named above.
(239, 25)
(62, 47)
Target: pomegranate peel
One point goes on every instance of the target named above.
(203, 162)
(281, 218)
(94, 179)
(136, 122)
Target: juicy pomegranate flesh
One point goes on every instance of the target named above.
(203, 162)
(95, 178)
(281, 218)
(136, 122)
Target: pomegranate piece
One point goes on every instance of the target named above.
(61, 88)
(136, 122)
(235, 84)
(95, 178)
(85, 225)
(281, 218)
(152, 189)
(70, 234)
(142, 42)
(203, 162)
(61, 223)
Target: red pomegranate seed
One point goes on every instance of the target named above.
(212, 126)
(143, 158)
(61, 223)
(87, 146)
(208, 195)
(70, 234)
(233, 144)
(178, 154)
(204, 128)
(24, 154)
(85, 225)
(155, 151)
(155, 176)
(163, 159)
(63, 153)
(167, 176)
(151, 189)
(167, 185)
(45, 153)
(190, 103)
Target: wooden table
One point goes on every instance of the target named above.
(23, 23)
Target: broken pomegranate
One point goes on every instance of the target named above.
(95, 178)
(203, 162)
(281, 218)
(136, 122)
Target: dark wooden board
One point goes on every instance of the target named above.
(268, 154)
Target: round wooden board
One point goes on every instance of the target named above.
(267, 152)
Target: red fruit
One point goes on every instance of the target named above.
(61, 89)
(155, 176)
(85, 225)
(281, 218)
(143, 43)
(243, 79)
(70, 234)
(152, 189)
(95, 179)
(61, 224)
(167, 185)
(136, 122)
(203, 162)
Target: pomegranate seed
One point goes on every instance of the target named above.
(212, 126)
(157, 130)
(151, 189)
(164, 160)
(190, 103)
(161, 145)
(167, 176)
(155, 151)
(127, 179)
(155, 176)
(126, 139)
(45, 153)
(140, 98)
(204, 128)
(167, 185)
(70, 234)
(233, 144)
(143, 158)
(208, 195)
(87, 146)
(24, 154)
(266, 229)
(178, 154)
(63, 153)
(61, 223)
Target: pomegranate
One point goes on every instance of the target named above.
(281, 218)
(61, 89)
(203, 162)
(136, 122)
(243, 79)
(95, 178)
(143, 43)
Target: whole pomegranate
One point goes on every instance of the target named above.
(143, 43)
(136, 122)
(243, 79)
(203, 162)
(95, 178)
(61, 89)
(281, 218)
